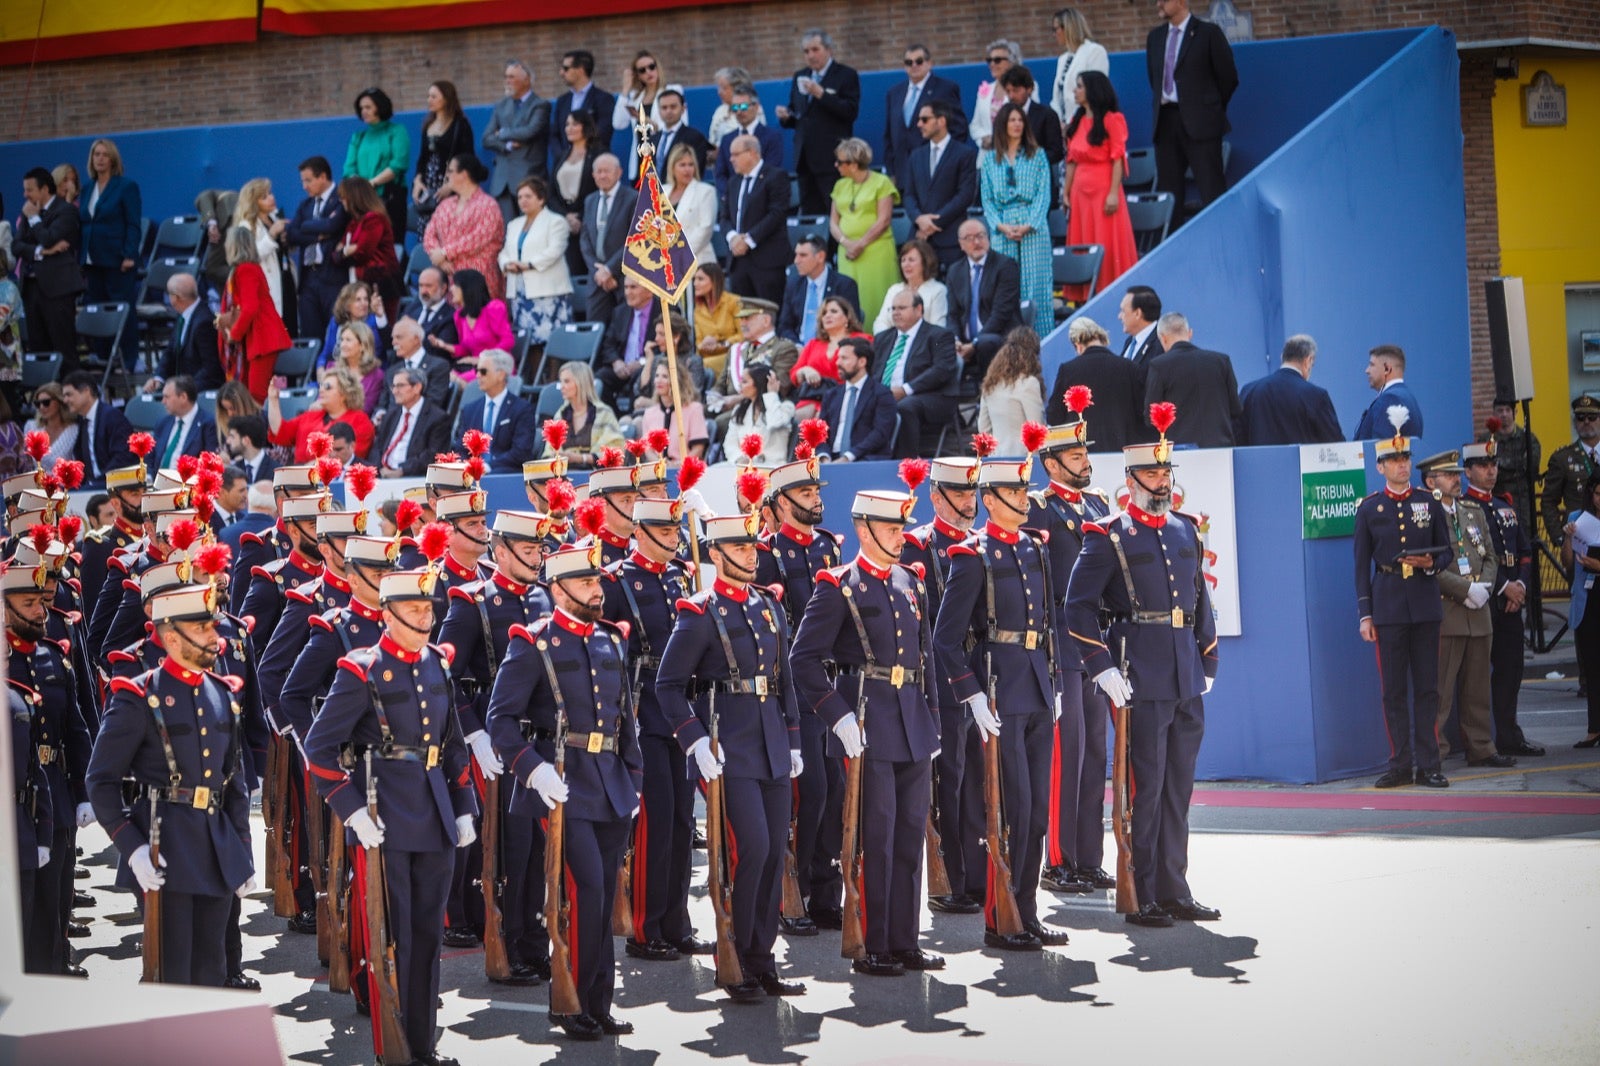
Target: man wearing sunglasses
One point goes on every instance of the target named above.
(900, 134)
(577, 72)
(746, 111)
(1570, 468)
(1386, 373)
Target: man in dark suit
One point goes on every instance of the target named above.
(314, 233)
(943, 182)
(1284, 407)
(824, 99)
(745, 108)
(981, 325)
(675, 130)
(1192, 77)
(409, 353)
(1138, 312)
(51, 280)
(507, 418)
(812, 282)
(577, 70)
(517, 137)
(431, 309)
(917, 361)
(1116, 385)
(247, 441)
(187, 430)
(754, 216)
(192, 349)
(1018, 85)
(904, 99)
(1386, 375)
(261, 516)
(415, 430)
(630, 329)
(860, 410)
(607, 215)
(1199, 382)
(103, 431)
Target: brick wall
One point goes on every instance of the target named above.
(1483, 218)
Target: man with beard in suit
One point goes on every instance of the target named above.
(1199, 382)
(431, 308)
(859, 410)
(904, 101)
(943, 182)
(919, 365)
(824, 99)
(1115, 382)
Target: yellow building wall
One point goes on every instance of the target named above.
(1547, 180)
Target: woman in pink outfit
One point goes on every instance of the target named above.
(467, 230)
(1097, 158)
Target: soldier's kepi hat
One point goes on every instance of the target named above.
(341, 523)
(657, 512)
(14, 485)
(372, 551)
(303, 507)
(541, 470)
(25, 554)
(954, 472)
(447, 475)
(1586, 405)
(614, 479)
(733, 529)
(1442, 463)
(125, 477)
(883, 505)
(1005, 473)
(574, 560)
(173, 573)
(157, 502)
(402, 585)
(22, 521)
(296, 478)
(796, 474)
(1392, 448)
(458, 505)
(653, 472)
(19, 578)
(1484, 451)
(522, 525)
(186, 603)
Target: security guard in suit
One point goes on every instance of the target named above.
(723, 670)
(1144, 567)
(1481, 464)
(643, 591)
(1402, 541)
(177, 732)
(478, 626)
(1570, 468)
(789, 558)
(390, 708)
(995, 641)
(618, 486)
(1467, 632)
(125, 484)
(259, 549)
(957, 778)
(1075, 839)
(565, 682)
(869, 619)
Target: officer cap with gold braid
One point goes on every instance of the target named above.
(1074, 432)
(1397, 446)
(1446, 462)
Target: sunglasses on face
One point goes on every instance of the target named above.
(1586, 418)
(916, 62)
(44, 401)
(644, 69)
(566, 67)
(736, 108)
(999, 59)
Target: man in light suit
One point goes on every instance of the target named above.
(824, 99)
(745, 108)
(868, 402)
(431, 309)
(577, 71)
(507, 418)
(981, 326)
(187, 430)
(943, 182)
(1386, 375)
(409, 353)
(917, 361)
(314, 233)
(1116, 385)
(415, 430)
(1199, 382)
(1192, 78)
(1284, 407)
(517, 138)
(607, 215)
(755, 218)
(51, 280)
(904, 99)
(812, 282)
(1138, 312)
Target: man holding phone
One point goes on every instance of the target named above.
(824, 99)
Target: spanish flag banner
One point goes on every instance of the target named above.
(46, 31)
(311, 18)
(657, 254)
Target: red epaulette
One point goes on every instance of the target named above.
(117, 562)
(235, 684)
(831, 576)
(775, 589)
(349, 663)
(961, 549)
(622, 627)
(1093, 527)
(249, 622)
(321, 622)
(127, 684)
(459, 592)
(251, 537)
(525, 632)
(686, 604)
(447, 651)
(121, 655)
(262, 571)
(912, 538)
(297, 596)
(918, 569)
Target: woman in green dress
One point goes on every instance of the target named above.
(863, 201)
(379, 152)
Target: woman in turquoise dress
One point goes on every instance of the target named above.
(1014, 181)
(863, 201)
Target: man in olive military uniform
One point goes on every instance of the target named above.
(1519, 455)
(1571, 467)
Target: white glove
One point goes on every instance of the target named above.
(85, 815)
(465, 833)
(693, 501)
(988, 723)
(483, 752)
(545, 781)
(144, 871)
(1477, 595)
(1115, 686)
(797, 765)
(849, 733)
(248, 887)
(1056, 717)
(366, 829)
(44, 857)
(710, 765)
(1209, 682)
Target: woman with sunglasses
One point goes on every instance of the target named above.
(1091, 186)
(860, 219)
(1014, 182)
(646, 82)
(50, 414)
(1002, 55)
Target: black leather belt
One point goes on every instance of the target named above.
(755, 686)
(1403, 570)
(203, 798)
(593, 743)
(898, 676)
(1177, 618)
(428, 756)
(1028, 638)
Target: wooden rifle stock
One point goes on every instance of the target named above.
(278, 852)
(563, 991)
(338, 908)
(622, 900)
(152, 905)
(394, 1049)
(496, 963)
(317, 844)
(730, 971)
(938, 875)
(1007, 919)
(1122, 813)
(852, 940)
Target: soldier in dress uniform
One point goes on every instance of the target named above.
(995, 641)
(1075, 839)
(653, 478)
(869, 619)
(723, 667)
(162, 509)
(478, 626)
(35, 817)
(565, 681)
(65, 626)
(1144, 567)
(392, 704)
(328, 591)
(1571, 467)
(788, 558)
(1511, 546)
(1401, 544)
(125, 484)
(259, 549)
(177, 731)
(1467, 632)
(538, 476)
(618, 486)
(270, 582)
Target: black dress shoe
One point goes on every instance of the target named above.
(242, 981)
(746, 991)
(772, 986)
(693, 945)
(1063, 879)
(1588, 742)
(72, 969)
(1050, 938)
(954, 904)
(521, 975)
(1097, 877)
(917, 959)
(460, 937)
(1190, 910)
(1011, 942)
(540, 967)
(578, 1026)
(1497, 760)
(1523, 747)
(82, 899)
(77, 930)
(826, 918)
(879, 966)
(433, 1058)
(1393, 779)
(801, 926)
(304, 922)
(611, 1027)
(80, 873)
(1432, 779)
(1151, 916)
(653, 950)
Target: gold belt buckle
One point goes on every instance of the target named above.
(897, 676)
(47, 755)
(1406, 570)
(1177, 618)
(1030, 640)
(433, 756)
(761, 686)
(202, 798)
(597, 743)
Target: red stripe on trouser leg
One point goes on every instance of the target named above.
(572, 923)
(640, 884)
(1053, 834)
(1383, 710)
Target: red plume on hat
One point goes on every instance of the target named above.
(433, 541)
(636, 448)
(141, 444)
(70, 471)
(204, 508)
(476, 442)
(590, 516)
(913, 472)
(1493, 425)
(213, 560)
(40, 536)
(38, 444)
(752, 486)
(68, 529)
(814, 431)
(659, 440)
(1162, 415)
(555, 433)
(360, 479)
(318, 444)
(183, 534)
(407, 514)
(983, 445)
(559, 495)
(609, 458)
(329, 469)
(446, 457)
(50, 483)
(187, 465)
(212, 461)
(690, 472)
(1078, 398)
(1033, 436)
(207, 483)
(752, 446)
(476, 468)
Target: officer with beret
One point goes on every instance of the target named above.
(1571, 466)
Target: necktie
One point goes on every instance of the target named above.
(172, 445)
(89, 449)
(603, 214)
(808, 323)
(641, 321)
(974, 323)
(847, 416)
(314, 249)
(665, 148)
(912, 92)
(177, 335)
(405, 424)
(738, 216)
(933, 159)
(1127, 349)
(1168, 86)
(488, 416)
(894, 358)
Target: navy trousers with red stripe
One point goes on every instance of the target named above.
(894, 816)
(1066, 767)
(522, 897)
(1163, 744)
(960, 803)
(663, 844)
(418, 884)
(758, 835)
(593, 855)
(1025, 744)
(1410, 653)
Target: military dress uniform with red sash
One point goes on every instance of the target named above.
(566, 681)
(35, 816)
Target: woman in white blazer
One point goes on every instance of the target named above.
(534, 262)
(694, 201)
(1078, 54)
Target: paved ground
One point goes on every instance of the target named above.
(1358, 926)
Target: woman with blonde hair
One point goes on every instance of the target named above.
(693, 201)
(249, 329)
(68, 185)
(339, 399)
(1012, 392)
(646, 81)
(358, 354)
(591, 424)
(863, 203)
(51, 414)
(257, 213)
(1079, 52)
(112, 235)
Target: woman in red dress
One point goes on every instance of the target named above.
(249, 332)
(1091, 190)
(368, 244)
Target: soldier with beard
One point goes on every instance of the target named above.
(125, 484)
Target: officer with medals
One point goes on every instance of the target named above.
(958, 777)
(870, 620)
(1570, 468)
(478, 626)
(125, 484)
(565, 682)
(724, 668)
(995, 641)
(1401, 543)
(391, 705)
(259, 549)
(176, 731)
(618, 486)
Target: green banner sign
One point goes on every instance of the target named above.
(1333, 481)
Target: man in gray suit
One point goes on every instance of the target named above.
(607, 214)
(517, 138)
